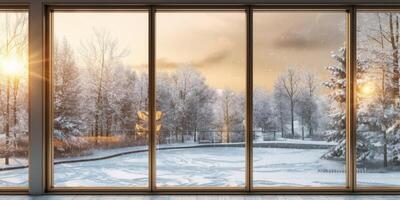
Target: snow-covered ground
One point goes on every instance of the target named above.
(218, 166)
(207, 166)
(18, 177)
(296, 167)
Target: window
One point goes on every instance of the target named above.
(377, 87)
(200, 98)
(299, 99)
(315, 125)
(14, 135)
(100, 98)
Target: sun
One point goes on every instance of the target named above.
(367, 89)
(11, 66)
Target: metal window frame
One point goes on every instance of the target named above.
(346, 10)
(39, 86)
(248, 187)
(237, 9)
(49, 98)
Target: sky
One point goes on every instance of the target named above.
(215, 42)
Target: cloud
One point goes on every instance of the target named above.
(295, 41)
(208, 60)
(213, 58)
(304, 31)
(166, 63)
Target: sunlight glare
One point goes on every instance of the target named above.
(12, 66)
(367, 89)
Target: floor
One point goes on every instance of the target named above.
(204, 197)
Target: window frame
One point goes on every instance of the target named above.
(214, 9)
(349, 172)
(39, 137)
(248, 187)
(49, 98)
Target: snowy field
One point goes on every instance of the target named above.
(207, 166)
(221, 166)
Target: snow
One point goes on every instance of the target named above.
(222, 166)
(295, 141)
(18, 177)
(206, 166)
(217, 166)
(295, 167)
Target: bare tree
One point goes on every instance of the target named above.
(288, 84)
(232, 113)
(100, 54)
(311, 87)
(263, 116)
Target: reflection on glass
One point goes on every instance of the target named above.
(377, 89)
(100, 99)
(200, 98)
(299, 99)
(14, 139)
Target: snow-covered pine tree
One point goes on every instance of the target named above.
(337, 130)
(337, 85)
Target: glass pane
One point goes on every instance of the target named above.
(14, 127)
(377, 92)
(200, 97)
(100, 103)
(299, 99)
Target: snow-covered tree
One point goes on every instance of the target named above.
(337, 85)
(99, 55)
(307, 104)
(337, 128)
(230, 114)
(187, 103)
(263, 113)
(288, 86)
(67, 93)
(378, 53)
(280, 109)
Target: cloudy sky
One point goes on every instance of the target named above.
(215, 43)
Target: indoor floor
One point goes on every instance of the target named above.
(204, 197)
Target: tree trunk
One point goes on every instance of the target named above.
(195, 135)
(394, 39)
(176, 134)
(15, 122)
(7, 153)
(3, 112)
(302, 128)
(385, 161)
(292, 116)
(282, 128)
